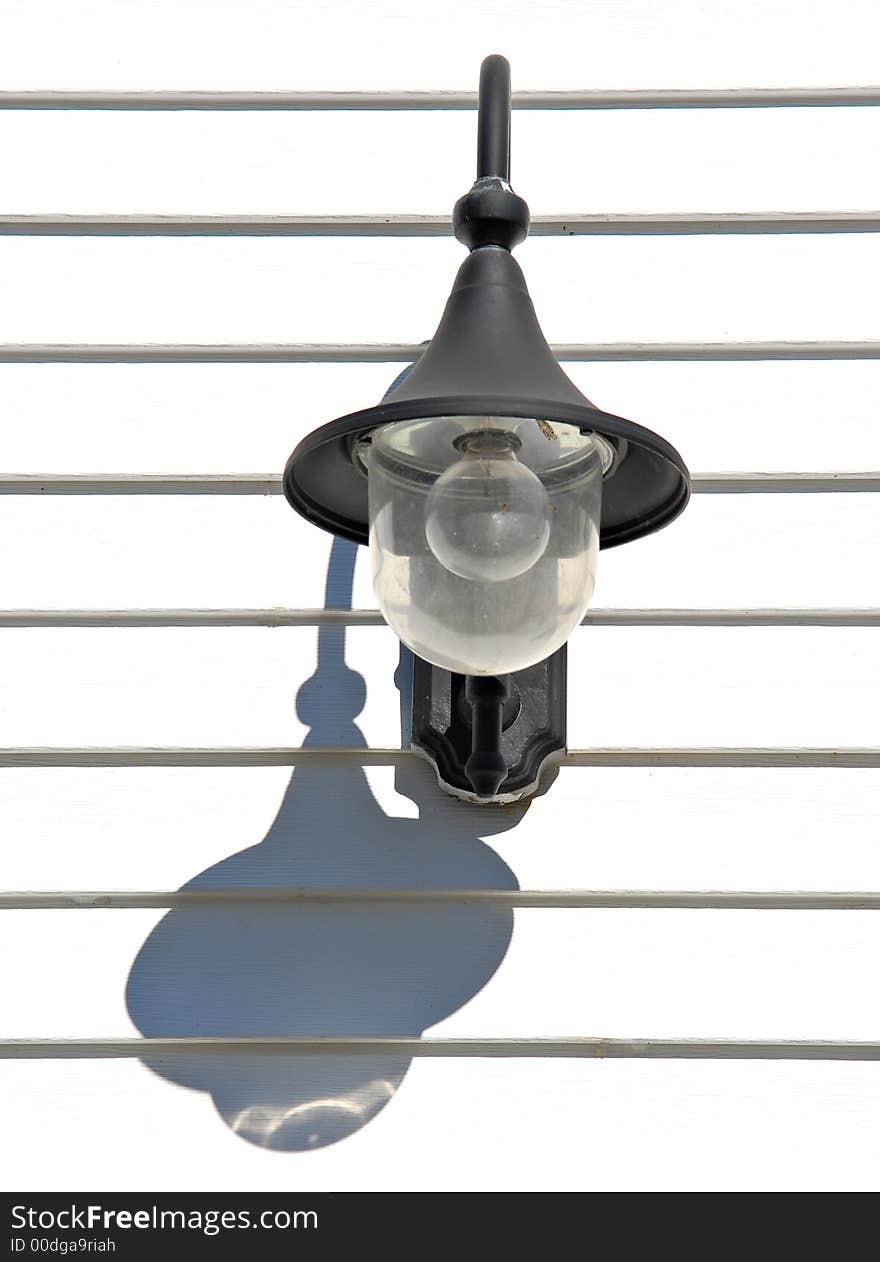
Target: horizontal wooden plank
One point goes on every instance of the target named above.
(474, 1048)
(60, 618)
(715, 279)
(394, 225)
(289, 617)
(783, 483)
(801, 617)
(281, 755)
(244, 161)
(775, 756)
(152, 417)
(406, 352)
(725, 756)
(279, 50)
(122, 548)
(817, 1122)
(726, 551)
(533, 99)
(694, 900)
(418, 275)
(451, 972)
(340, 822)
(186, 696)
(724, 483)
(140, 484)
(169, 353)
(809, 544)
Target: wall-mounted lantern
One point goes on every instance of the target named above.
(485, 484)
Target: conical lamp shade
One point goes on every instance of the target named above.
(488, 358)
(489, 344)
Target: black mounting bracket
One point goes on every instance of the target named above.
(455, 722)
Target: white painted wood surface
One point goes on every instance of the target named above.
(152, 828)
(468, 1125)
(94, 418)
(256, 970)
(265, 163)
(253, 551)
(585, 289)
(475, 970)
(632, 686)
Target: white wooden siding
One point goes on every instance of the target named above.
(375, 819)
(629, 686)
(733, 551)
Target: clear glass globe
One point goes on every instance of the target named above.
(484, 536)
(487, 518)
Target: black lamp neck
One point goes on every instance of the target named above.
(493, 119)
(491, 213)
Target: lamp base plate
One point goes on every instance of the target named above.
(533, 738)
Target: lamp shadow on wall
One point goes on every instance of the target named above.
(326, 968)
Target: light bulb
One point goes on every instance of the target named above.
(484, 536)
(487, 517)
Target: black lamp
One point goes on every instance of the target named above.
(485, 482)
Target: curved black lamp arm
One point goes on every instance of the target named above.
(493, 119)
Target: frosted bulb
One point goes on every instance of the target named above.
(487, 517)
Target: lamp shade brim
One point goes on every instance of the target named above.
(646, 488)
